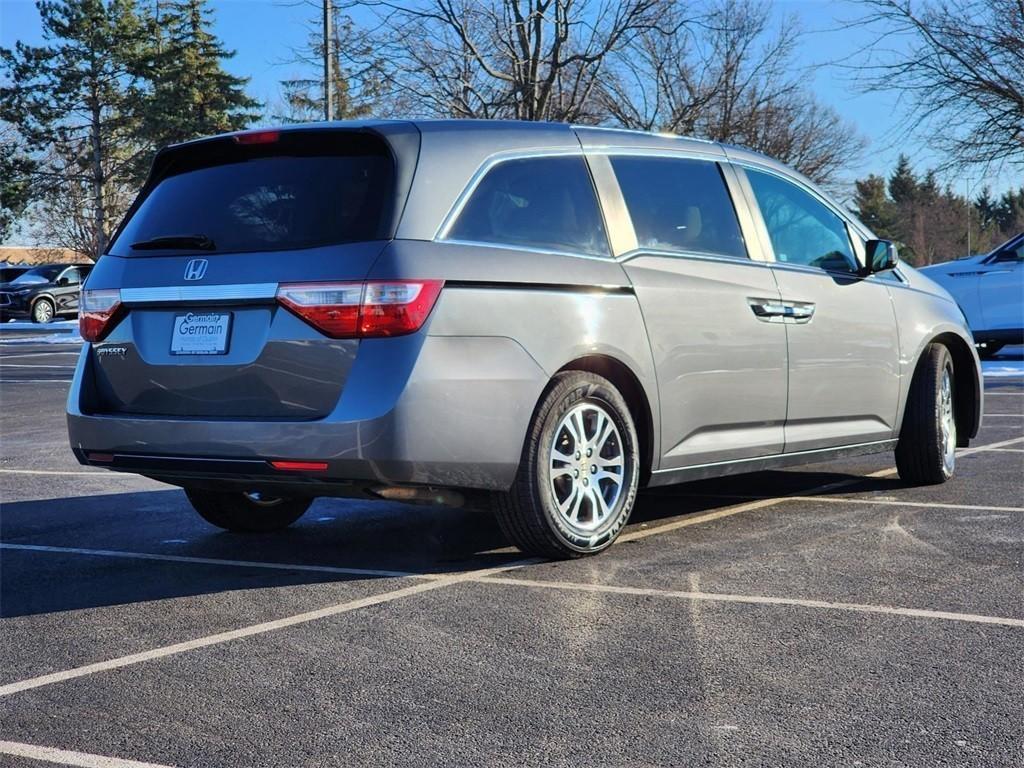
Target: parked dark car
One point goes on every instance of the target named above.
(44, 292)
(9, 273)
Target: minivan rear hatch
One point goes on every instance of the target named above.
(198, 264)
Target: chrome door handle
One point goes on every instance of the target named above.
(776, 311)
(799, 311)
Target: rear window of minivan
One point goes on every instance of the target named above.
(299, 190)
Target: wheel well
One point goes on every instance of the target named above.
(44, 297)
(965, 392)
(620, 374)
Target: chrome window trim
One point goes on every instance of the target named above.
(489, 162)
(177, 293)
(532, 249)
(627, 256)
(618, 223)
(691, 256)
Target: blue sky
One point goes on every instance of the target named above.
(263, 31)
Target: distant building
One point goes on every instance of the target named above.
(23, 254)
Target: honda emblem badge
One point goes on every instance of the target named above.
(196, 269)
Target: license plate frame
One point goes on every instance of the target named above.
(185, 343)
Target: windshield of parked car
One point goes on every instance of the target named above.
(37, 275)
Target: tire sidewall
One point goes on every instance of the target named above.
(609, 399)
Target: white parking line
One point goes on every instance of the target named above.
(36, 354)
(858, 500)
(35, 381)
(761, 503)
(376, 572)
(255, 629)
(64, 757)
(1004, 415)
(1004, 394)
(32, 365)
(97, 473)
(757, 600)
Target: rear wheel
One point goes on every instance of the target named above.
(578, 474)
(926, 451)
(250, 512)
(42, 311)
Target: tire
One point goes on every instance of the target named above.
(246, 513)
(42, 311)
(926, 451)
(989, 349)
(566, 508)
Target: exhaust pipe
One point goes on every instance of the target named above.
(411, 495)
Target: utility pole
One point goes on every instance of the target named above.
(328, 63)
(967, 197)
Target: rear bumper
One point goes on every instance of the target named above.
(456, 418)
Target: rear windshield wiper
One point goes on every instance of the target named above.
(176, 242)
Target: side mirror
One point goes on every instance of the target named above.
(880, 256)
(63, 281)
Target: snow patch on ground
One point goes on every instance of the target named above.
(26, 325)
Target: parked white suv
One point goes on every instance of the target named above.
(990, 290)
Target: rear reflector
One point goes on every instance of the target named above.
(97, 311)
(258, 137)
(362, 310)
(100, 458)
(300, 466)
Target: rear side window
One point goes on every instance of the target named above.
(538, 202)
(803, 230)
(678, 204)
(302, 191)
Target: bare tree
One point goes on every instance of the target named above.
(62, 214)
(960, 64)
(354, 67)
(728, 75)
(523, 59)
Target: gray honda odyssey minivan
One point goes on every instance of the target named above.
(554, 315)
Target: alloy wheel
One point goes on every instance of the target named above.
(587, 467)
(947, 422)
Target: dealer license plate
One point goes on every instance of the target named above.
(199, 333)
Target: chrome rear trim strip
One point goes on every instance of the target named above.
(205, 293)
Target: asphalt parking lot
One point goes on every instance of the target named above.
(825, 615)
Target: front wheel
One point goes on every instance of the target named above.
(246, 512)
(926, 451)
(42, 311)
(578, 474)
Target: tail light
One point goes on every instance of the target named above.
(257, 137)
(97, 311)
(362, 310)
(299, 466)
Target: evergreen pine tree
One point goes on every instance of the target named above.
(190, 93)
(75, 98)
(874, 207)
(16, 188)
(903, 185)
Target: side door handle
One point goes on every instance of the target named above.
(776, 311)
